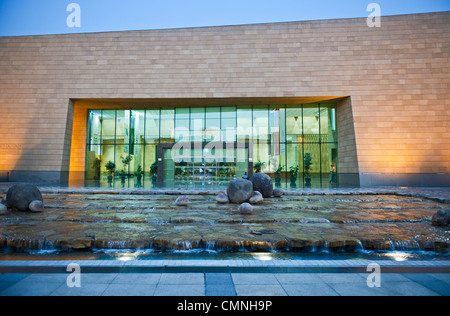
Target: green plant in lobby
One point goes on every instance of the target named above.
(125, 161)
(293, 172)
(154, 171)
(307, 165)
(258, 166)
(111, 167)
(278, 174)
(138, 173)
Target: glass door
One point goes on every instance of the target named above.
(208, 165)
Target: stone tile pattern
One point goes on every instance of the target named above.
(397, 77)
(224, 284)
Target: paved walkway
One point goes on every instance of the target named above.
(224, 278)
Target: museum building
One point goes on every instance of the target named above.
(328, 103)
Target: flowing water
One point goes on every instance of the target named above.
(293, 226)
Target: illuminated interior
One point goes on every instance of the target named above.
(198, 146)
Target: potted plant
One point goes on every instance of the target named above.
(125, 161)
(138, 173)
(154, 171)
(307, 164)
(293, 171)
(258, 166)
(278, 175)
(111, 167)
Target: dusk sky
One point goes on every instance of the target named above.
(33, 17)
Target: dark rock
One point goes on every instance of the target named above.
(441, 218)
(239, 190)
(256, 198)
(262, 183)
(182, 201)
(245, 208)
(20, 196)
(222, 198)
(277, 192)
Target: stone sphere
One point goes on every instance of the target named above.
(222, 198)
(441, 218)
(36, 206)
(277, 192)
(20, 196)
(239, 190)
(256, 198)
(245, 208)
(182, 201)
(262, 183)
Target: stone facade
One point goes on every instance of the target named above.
(392, 85)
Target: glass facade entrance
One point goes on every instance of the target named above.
(192, 147)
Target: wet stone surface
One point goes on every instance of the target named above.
(290, 222)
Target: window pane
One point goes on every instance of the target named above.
(329, 163)
(182, 124)
(182, 113)
(150, 164)
(212, 129)
(312, 164)
(212, 112)
(228, 112)
(294, 124)
(108, 155)
(328, 124)
(95, 119)
(294, 165)
(244, 123)
(228, 124)
(123, 126)
(108, 126)
(197, 125)
(311, 123)
(261, 157)
(277, 123)
(93, 157)
(152, 126)
(228, 130)
(137, 163)
(167, 126)
(137, 125)
(260, 124)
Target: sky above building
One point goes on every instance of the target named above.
(36, 17)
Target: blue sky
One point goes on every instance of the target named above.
(33, 17)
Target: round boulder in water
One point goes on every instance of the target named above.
(277, 192)
(20, 196)
(256, 198)
(36, 206)
(245, 208)
(222, 198)
(441, 218)
(182, 201)
(262, 183)
(239, 190)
